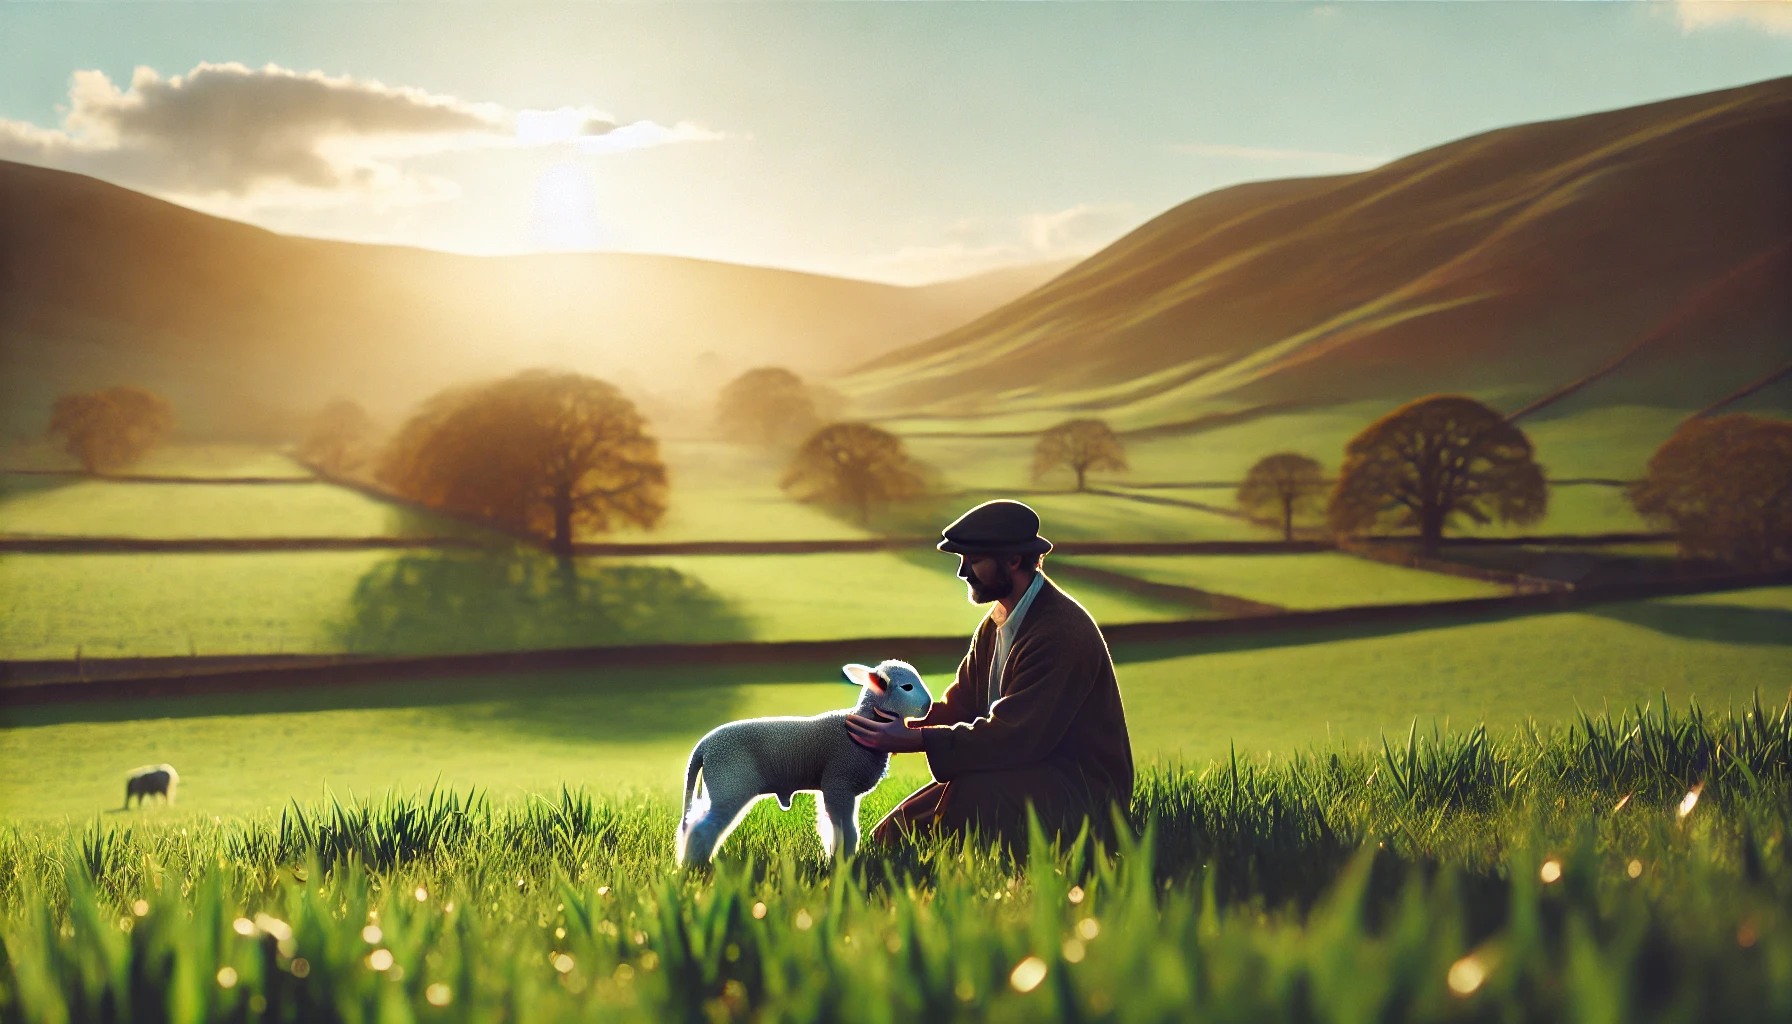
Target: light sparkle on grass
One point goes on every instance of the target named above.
(1027, 975)
(438, 994)
(380, 960)
(371, 934)
(1690, 800)
(1551, 871)
(1467, 974)
(226, 977)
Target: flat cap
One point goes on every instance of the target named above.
(999, 527)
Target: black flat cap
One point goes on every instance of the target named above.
(999, 527)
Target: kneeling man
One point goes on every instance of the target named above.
(1034, 716)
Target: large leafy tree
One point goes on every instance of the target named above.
(540, 452)
(1432, 460)
(769, 405)
(113, 428)
(1080, 445)
(1724, 486)
(1280, 486)
(854, 465)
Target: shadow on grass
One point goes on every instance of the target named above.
(465, 602)
(1726, 623)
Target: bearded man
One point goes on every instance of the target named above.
(1034, 717)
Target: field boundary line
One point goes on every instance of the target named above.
(160, 677)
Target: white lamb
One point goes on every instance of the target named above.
(743, 761)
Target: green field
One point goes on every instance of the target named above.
(1323, 580)
(617, 729)
(61, 507)
(119, 605)
(213, 460)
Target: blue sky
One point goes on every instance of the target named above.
(901, 142)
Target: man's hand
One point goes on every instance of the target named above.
(885, 733)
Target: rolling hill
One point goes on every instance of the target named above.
(1633, 257)
(246, 330)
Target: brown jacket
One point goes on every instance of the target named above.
(1059, 706)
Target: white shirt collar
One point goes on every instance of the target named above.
(1011, 625)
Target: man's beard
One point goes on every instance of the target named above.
(983, 593)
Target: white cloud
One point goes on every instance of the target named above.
(230, 136)
(977, 244)
(1773, 16)
(1267, 155)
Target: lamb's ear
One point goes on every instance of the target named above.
(858, 675)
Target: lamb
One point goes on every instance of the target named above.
(743, 761)
(149, 780)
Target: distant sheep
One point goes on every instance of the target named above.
(743, 761)
(149, 780)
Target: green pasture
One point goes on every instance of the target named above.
(426, 602)
(214, 460)
(70, 507)
(1186, 702)
(1320, 580)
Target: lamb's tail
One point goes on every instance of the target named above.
(691, 771)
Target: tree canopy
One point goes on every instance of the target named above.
(769, 405)
(1082, 445)
(1724, 486)
(854, 465)
(1281, 485)
(540, 452)
(1432, 460)
(339, 439)
(111, 429)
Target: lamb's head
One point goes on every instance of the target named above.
(896, 687)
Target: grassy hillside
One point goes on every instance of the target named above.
(1506, 264)
(245, 329)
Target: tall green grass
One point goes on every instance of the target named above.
(1540, 875)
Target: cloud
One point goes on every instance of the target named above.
(1774, 16)
(1276, 155)
(977, 244)
(233, 134)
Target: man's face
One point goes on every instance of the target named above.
(989, 577)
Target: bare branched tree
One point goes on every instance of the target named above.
(1280, 486)
(769, 406)
(1082, 445)
(340, 438)
(1724, 486)
(854, 465)
(1432, 460)
(113, 428)
(541, 452)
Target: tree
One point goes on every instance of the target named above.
(769, 406)
(1082, 445)
(113, 428)
(540, 452)
(1432, 460)
(1724, 485)
(339, 438)
(855, 465)
(1280, 485)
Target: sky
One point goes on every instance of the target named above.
(902, 142)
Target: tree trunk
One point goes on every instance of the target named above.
(1080, 470)
(1288, 520)
(562, 545)
(1431, 530)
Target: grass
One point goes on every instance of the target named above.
(1324, 580)
(128, 605)
(1186, 703)
(54, 506)
(1484, 877)
(219, 460)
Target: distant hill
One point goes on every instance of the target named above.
(1645, 253)
(247, 330)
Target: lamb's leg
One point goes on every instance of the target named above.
(708, 831)
(837, 819)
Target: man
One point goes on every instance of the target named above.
(1034, 716)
